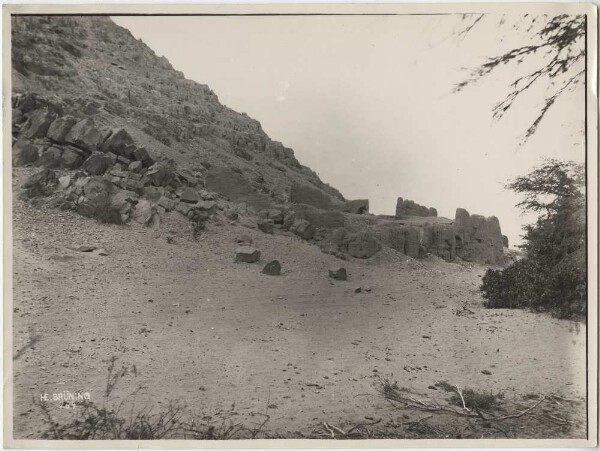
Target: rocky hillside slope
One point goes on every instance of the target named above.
(95, 69)
(121, 136)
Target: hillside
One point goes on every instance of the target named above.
(96, 69)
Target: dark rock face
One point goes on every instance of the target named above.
(504, 240)
(273, 268)
(408, 208)
(338, 274)
(478, 239)
(358, 206)
(23, 152)
(247, 254)
(309, 195)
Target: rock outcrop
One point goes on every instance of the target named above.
(310, 195)
(478, 238)
(408, 208)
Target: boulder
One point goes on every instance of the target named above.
(160, 175)
(23, 152)
(50, 158)
(338, 273)
(247, 254)
(504, 240)
(71, 159)
(303, 229)
(40, 184)
(96, 202)
(361, 245)
(60, 128)
(265, 225)
(117, 142)
(273, 268)
(189, 195)
(38, 123)
(84, 135)
(97, 163)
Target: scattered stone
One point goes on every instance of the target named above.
(358, 290)
(487, 372)
(367, 289)
(266, 225)
(101, 252)
(338, 274)
(247, 254)
(273, 268)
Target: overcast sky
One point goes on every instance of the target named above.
(366, 102)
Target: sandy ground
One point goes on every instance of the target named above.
(209, 332)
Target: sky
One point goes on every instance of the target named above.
(367, 102)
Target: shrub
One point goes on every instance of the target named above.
(552, 277)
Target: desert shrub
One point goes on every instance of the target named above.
(552, 276)
(472, 399)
